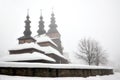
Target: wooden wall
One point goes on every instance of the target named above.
(48, 72)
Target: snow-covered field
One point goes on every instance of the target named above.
(116, 76)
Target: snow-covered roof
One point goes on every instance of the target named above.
(46, 65)
(49, 50)
(46, 49)
(26, 56)
(26, 46)
(44, 38)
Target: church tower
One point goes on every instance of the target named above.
(41, 26)
(27, 33)
(54, 34)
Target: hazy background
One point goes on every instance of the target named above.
(76, 19)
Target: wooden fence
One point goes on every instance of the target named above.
(53, 72)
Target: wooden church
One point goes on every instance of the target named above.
(42, 56)
(44, 48)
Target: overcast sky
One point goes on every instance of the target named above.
(76, 19)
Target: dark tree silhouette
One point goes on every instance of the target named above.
(90, 51)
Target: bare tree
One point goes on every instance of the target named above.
(91, 52)
(100, 56)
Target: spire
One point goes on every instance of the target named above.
(41, 25)
(52, 25)
(54, 34)
(27, 32)
(41, 14)
(52, 13)
(52, 20)
(27, 14)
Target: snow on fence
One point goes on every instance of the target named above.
(52, 70)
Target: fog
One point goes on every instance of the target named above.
(76, 19)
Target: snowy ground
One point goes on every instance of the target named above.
(116, 76)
